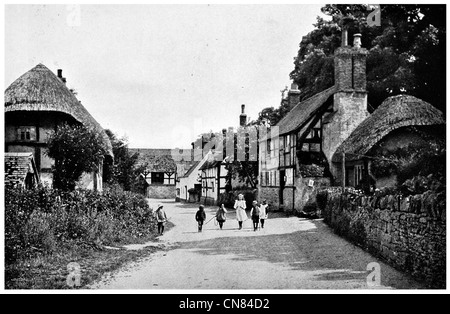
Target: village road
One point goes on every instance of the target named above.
(289, 253)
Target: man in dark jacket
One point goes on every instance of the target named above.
(200, 216)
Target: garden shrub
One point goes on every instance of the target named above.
(43, 220)
(322, 199)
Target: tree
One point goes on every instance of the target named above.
(406, 53)
(76, 150)
(124, 170)
(240, 164)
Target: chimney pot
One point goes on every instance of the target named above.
(60, 73)
(344, 37)
(243, 117)
(294, 86)
(357, 40)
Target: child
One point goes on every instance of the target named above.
(240, 206)
(263, 215)
(221, 216)
(161, 218)
(254, 213)
(200, 216)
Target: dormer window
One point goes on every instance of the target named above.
(26, 133)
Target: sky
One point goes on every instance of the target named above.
(160, 75)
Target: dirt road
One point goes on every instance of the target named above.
(290, 253)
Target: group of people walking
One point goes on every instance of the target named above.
(258, 214)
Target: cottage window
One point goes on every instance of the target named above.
(157, 177)
(26, 133)
(289, 176)
(316, 133)
(169, 179)
(358, 173)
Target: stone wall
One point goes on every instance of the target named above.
(305, 194)
(408, 232)
(271, 194)
(294, 198)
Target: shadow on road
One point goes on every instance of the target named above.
(320, 251)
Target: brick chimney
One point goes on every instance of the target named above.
(63, 79)
(350, 99)
(350, 66)
(293, 96)
(243, 116)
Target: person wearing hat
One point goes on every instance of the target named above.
(240, 207)
(200, 216)
(161, 218)
(255, 213)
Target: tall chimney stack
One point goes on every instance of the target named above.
(243, 116)
(293, 96)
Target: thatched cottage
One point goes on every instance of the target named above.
(397, 123)
(35, 105)
(304, 151)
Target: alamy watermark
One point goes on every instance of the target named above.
(240, 144)
(73, 279)
(374, 278)
(374, 17)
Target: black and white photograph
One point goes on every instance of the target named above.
(238, 148)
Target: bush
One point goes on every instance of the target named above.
(417, 159)
(312, 170)
(322, 200)
(41, 221)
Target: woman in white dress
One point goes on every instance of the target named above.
(240, 207)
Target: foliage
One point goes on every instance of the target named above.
(272, 115)
(75, 149)
(420, 184)
(406, 53)
(322, 199)
(311, 170)
(42, 220)
(240, 164)
(123, 170)
(245, 171)
(417, 159)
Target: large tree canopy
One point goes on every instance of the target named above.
(406, 53)
(76, 149)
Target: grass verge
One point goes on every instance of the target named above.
(51, 272)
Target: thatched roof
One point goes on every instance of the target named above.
(303, 111)
(155, 160)
(394, 113)
(17, 166)
(41, 90)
